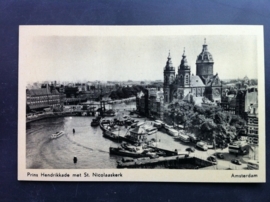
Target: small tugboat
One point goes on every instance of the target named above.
(95, 122)
(110, 135)
(57, 135)
(109, 130)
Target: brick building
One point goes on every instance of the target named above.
(203, 84)
(39, 99)
(150, 103)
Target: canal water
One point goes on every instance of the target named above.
(87, 144)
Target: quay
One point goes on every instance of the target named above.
(52, 115)
(179, 161)
(167, 152)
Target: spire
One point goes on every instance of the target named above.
(184, 63)
(184, 55)
(169, 65)
(204, 45)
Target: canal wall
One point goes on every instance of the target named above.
(174, 162)
(53, 115)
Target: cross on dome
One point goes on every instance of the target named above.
(169, 56)
(184, 52)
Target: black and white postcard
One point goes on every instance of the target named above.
(141, 103)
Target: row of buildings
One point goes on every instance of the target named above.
(54, 96)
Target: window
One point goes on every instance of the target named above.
(186, 79)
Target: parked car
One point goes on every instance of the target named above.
(190, 149)
(236, 161)
(202, 145)
(212, 159)
(220, 156)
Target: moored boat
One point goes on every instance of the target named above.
(95, 122)
(57, 135)
(122, 152)
(110, 135)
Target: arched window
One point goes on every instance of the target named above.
(187, 79)
(181, 79)
(166, 79)
(171, 78)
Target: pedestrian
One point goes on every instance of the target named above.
(75, 160)
(73, 130)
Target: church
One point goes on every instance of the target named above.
(184, 84)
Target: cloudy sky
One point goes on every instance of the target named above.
(87, 57)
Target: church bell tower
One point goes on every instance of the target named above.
(184, 72)
(169, 76)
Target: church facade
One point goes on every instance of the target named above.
(183, 84)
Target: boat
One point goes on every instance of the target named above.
(173, 132)
(122, 152)
(104, 121)
(57, 135)
(95, 122)
(109, 130)
(110, 135)
(131, 147)
(125, 160)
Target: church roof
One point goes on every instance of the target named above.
(195, 81)
(210, 80)
(205, 55)
(169, 65)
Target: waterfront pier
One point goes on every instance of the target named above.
(177, 162)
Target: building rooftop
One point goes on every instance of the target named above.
(195, 81)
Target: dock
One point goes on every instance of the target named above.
(179, 161)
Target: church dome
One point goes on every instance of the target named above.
(184, 64)
(205, 55)
(169, 65)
